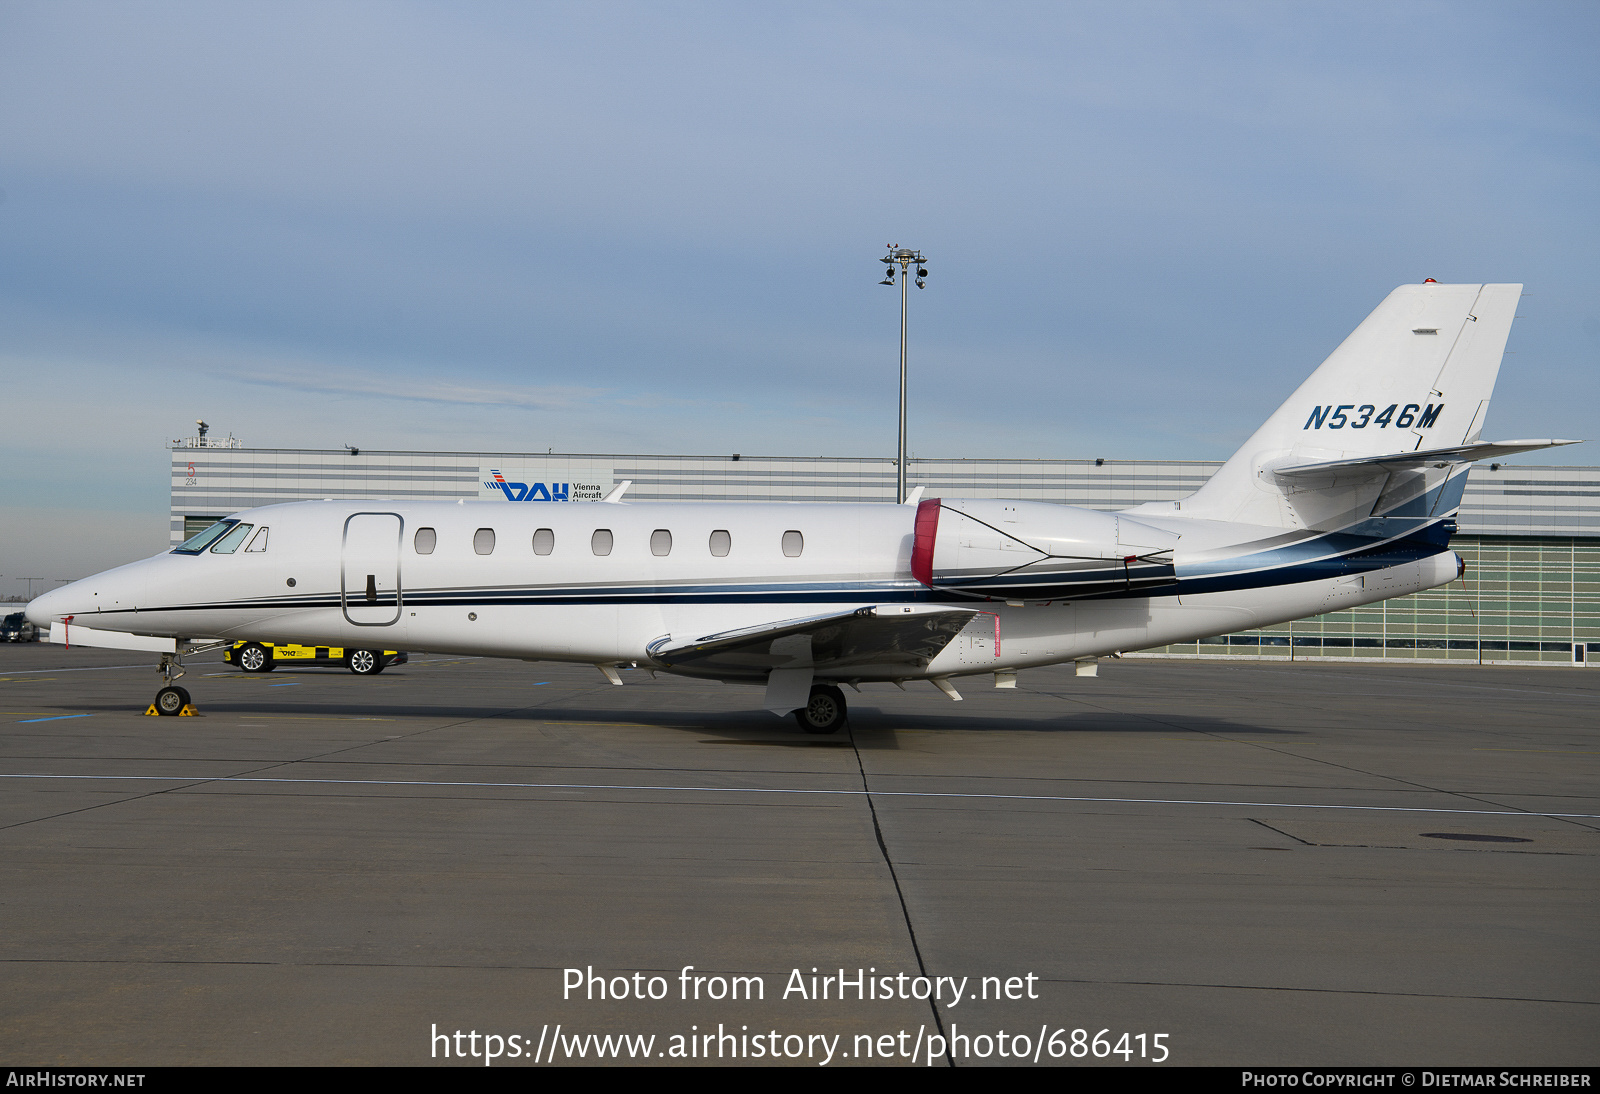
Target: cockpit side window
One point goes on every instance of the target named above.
(258, 542)
(230, 542)
(200, 541)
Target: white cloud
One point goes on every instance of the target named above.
(375, 385)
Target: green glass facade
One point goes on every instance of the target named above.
(1524, 598)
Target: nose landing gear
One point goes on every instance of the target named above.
(172, 701)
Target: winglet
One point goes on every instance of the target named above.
(615, 495)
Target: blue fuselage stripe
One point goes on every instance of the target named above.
(1318, 557)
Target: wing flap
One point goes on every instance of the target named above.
(881, 638)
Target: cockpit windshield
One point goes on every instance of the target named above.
(200, 541)
(230, 542)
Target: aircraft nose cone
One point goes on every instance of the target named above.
(46, 609)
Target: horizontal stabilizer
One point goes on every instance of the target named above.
(1461, 453)
(903, 636)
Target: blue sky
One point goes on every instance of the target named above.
(655, 227)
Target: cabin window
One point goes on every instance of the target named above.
(258, 542)
(230, 542)
(483, 541)
(544, 541)
(721, 543)
(793, 543)
(660, 542)
(425, 541)
(600, 542)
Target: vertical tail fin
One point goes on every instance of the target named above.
(1417, 373)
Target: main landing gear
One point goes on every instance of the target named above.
(172, 701)
(824, 712)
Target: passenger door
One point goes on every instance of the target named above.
(369, 572)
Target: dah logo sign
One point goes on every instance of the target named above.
(544, 491)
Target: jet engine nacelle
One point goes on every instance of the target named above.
(1032, 550)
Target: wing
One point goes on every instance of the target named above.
(874, 641)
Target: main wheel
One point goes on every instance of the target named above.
(254, 658)
(171, 700)
(365, 662)
(824, 712)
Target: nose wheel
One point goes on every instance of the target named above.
(172, 701)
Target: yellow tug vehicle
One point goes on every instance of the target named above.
(266, 656)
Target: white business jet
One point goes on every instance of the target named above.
(1344, 497)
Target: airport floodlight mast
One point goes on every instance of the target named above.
(905, 258)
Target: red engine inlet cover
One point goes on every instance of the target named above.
(922, 543)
